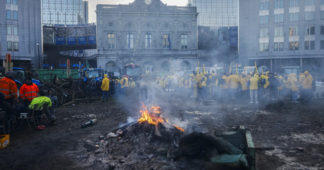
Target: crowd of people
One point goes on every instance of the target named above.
(26, 100)
(202, 85)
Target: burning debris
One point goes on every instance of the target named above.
(152, 142)
(154, 117)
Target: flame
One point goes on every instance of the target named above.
(153, 116)
(179, 128)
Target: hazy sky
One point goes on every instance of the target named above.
(93, 3)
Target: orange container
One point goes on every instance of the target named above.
(4, 140)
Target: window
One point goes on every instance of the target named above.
(279, 18)
(294, 16)
(278, 3)
(322, 15)
(166, 41)
(12, 2)
(9, 46)
(294, 3)
(293, 31)
(15, 46)
(264, 4)
(309, 16)
(278, 46)
(148, 40)
(322, 30)
(9, 30)
(309, 2)
(264, 33)
(310, 30)
(130, 41)
(322, 44)
(8, 14)
(278, 32)
(111, 41)
(293, 45)
(12, 46)
(13, 15)
(264, 19)
(309, 45)
(184, 41)
(12, 30)
(264, 47)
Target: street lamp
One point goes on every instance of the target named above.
(39, 57)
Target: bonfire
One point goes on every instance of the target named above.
(154, 117)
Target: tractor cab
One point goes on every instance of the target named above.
(133, 71)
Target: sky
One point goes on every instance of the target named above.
(93, 3)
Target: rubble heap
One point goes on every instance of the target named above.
(153, 143)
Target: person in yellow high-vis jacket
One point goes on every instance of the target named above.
(124, 85)
(306, 82)
(244, 86)
(254, 86)
(292, 83)
(265, 84)
(105, 87)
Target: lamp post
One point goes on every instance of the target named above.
(39, 57)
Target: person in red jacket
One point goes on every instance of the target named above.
(8, 88)
(8, 91)
(28, 91)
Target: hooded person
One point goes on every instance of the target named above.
(28, 91)
(105, 87)
(8, 87)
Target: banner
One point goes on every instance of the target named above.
(71, 41)
(60, 41)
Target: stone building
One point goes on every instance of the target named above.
(148, 33)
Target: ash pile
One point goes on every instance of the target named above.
(155, 144)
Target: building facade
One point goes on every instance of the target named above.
(146, 32)
(62, 42)
(220, 18)
(66, 12)
(217, 13)
(282, 33)
(21, 31)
